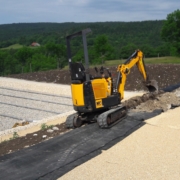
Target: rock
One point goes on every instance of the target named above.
(23, 123)
(168, 106)
(50, 130)
(55, 128)
(44, 136)
(34, 134)
(177, 93)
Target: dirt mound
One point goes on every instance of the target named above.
(165, 75)
(153, 101)
(163, 101)
(135, 101)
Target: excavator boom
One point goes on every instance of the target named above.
(123, 70)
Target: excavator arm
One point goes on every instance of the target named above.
(123, 70)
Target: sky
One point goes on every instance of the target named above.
(27, 11)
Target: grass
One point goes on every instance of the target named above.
(15, 135)
(156, 60)
(14, 46)
(163, 60)
(45, 126)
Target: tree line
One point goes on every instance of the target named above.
(54, 56)
(118, 33)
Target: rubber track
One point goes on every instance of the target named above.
(102, 118)
(70, 121)
(35, 100)
(32, 92)
(31, 108)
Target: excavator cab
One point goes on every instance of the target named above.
(77, 72)
(78, 68)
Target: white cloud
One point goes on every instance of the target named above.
(73, 2)
(84, 10)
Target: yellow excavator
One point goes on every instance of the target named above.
(98, 98)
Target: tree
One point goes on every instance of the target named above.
(148, 51)
(163, 50)
(171, 31)
(11, 65)
(127, 50)
(2, 62)
(79, 56)
(23, 54)
(58, 51)
(40, 62)
(103, 49)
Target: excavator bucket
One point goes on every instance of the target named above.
(152, 85)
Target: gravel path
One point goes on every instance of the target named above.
(41, 87)
(18, 103)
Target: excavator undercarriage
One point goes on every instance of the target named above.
(105, 119)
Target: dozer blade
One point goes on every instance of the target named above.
(152, 85)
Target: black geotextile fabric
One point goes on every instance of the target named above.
(55, 157)
(171, 88)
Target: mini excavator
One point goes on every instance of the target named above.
(98, 99)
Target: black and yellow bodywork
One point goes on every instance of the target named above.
(91, 95)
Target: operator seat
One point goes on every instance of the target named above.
(78, 75)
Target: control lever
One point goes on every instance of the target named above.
(102, 70)
(96, 69)
(108, 72)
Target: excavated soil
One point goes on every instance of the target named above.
(165, 75)
(150, 102)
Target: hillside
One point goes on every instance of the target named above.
(119, 33)
(108, 41)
